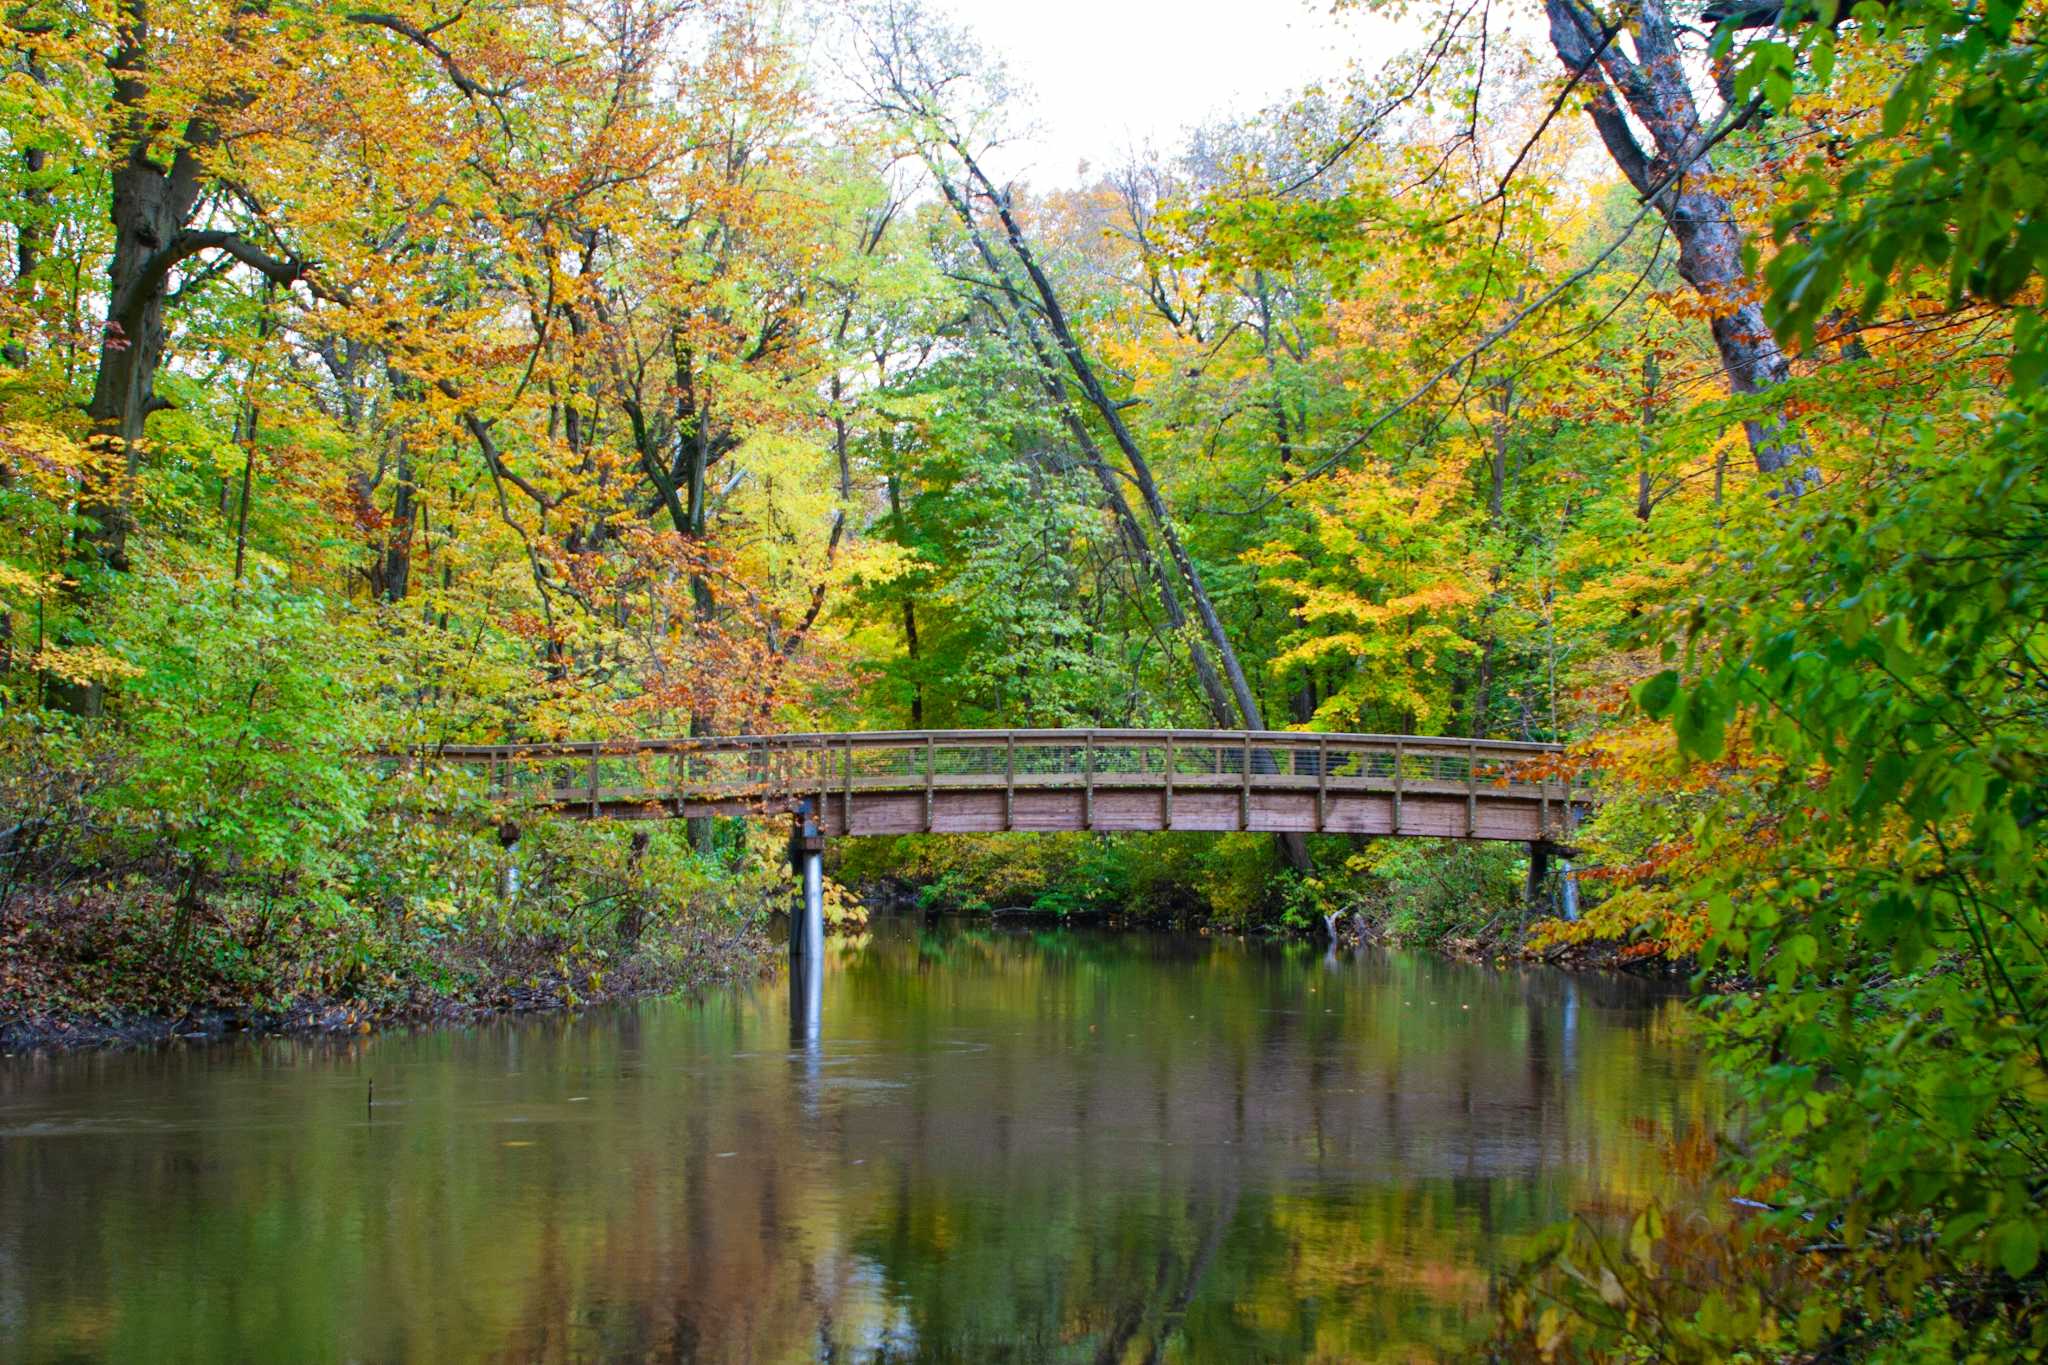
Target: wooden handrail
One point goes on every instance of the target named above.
(1307, 773)
(893, 739)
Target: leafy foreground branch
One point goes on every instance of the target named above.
(1868, 868)
(1858, 713)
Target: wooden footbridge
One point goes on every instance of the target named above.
(979, 781)
(984, 781)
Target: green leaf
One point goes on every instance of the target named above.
(1657, 695)
(2016, 1246)
(1898, 107)
(1701, 722)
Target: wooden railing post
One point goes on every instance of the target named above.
(824, 776)
(1010, 780)
(1322, 783)
(846, 787)
(1400, 761)
(1471, 790)
(594, 751)
(1088, 781)
(1168, 821)
(931, 777)
(1244, 787)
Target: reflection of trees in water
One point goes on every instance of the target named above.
(1003, 1142)
(1458, 1122)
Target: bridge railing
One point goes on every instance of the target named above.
(766, 768)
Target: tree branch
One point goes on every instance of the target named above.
(423, 39)
(128, 304)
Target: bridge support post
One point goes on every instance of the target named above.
(806, 855)
(508, 870)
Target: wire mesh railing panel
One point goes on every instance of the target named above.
(969, 760)
(1221, 759)
(746, 768)
(1124, 759)
(875, 763)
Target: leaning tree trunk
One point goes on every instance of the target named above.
(1292, 846)
(1229, 694)
(1654, 87)
(1217, 697)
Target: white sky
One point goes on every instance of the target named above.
(1105, 76)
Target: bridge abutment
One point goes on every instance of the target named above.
(1539, 876)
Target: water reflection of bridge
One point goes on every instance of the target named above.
(1425, 1083)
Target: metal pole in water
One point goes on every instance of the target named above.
(508, 870)
(1568, 880)
(814, 906)
(807, 851)
(807, 1029)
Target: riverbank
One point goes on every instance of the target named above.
(1464, 919)
(76, 973)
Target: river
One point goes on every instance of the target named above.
(998, 1145)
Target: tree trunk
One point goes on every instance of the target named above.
(1654, 87)
(1293, 847)
(1645, 409)
(31, 234)
(910, 646)
(152, 206)
(393, 572)
(697, 513)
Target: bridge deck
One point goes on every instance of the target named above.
(962, 781)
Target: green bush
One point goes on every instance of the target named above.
(238, 731)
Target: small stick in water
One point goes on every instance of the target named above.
(370, 1100)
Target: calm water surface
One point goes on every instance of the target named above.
(999, 1145)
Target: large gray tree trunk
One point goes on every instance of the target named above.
(1652, 85)
(151, 212)
(151, 206)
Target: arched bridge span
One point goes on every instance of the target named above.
(979, 781)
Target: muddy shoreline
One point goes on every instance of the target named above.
(512, 982)
(332, 1018)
